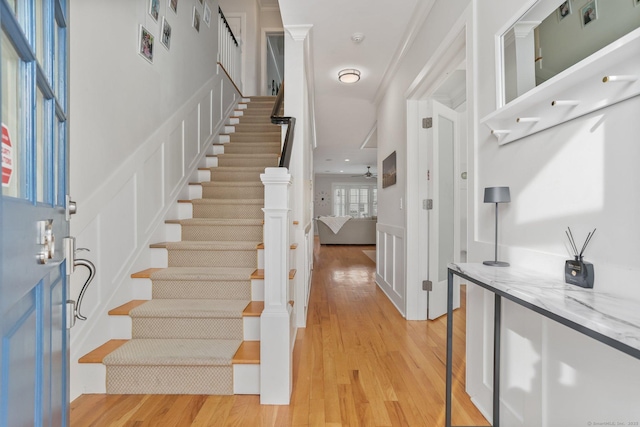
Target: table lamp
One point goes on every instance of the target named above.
(496, 195)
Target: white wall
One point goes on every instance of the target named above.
(575, 174)
(137, 133)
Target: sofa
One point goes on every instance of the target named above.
(356, 231)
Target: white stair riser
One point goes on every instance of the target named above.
(234, 121)
(120, 327)
(257, 289)
(159, 258)
(216, 149)
(173, 232)
(224, 139)
(251, 326)
(204, 175)
(229, 129)
(141, 288)
(93, 377)
(185, 210)
(261, 259)
(211, 162)
(246, 379)
(195, 192)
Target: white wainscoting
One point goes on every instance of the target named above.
(126, 213)
(390, 264)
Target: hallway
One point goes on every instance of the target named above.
(358, 363)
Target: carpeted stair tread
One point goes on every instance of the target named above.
(227, 201)
(203, 273)
(173, 352)
(216, 221)
(231, 184)
(211, 246)
(190, 308)
(259, 169)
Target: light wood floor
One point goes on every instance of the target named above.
(358, 363)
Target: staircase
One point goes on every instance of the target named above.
(199, 332)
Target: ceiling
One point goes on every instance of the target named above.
(346, 113)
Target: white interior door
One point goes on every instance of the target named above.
(444, 215)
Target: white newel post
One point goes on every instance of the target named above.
(276, 367)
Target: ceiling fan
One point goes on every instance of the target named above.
(367, 174)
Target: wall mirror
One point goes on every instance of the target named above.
(553, 35)
(562, 60)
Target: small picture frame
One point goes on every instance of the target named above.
(589, 13)
(165, 33)
(196, 19)
(206, 15)
(146, 44)
(389, 170)
(173, 5)
(154, 9)
(564, 10)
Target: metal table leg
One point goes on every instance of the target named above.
(449, 347)
(497, 314)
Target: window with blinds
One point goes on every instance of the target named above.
(355, 200)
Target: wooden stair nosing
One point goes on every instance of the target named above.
(98, 354)
(126, 308)
(248, 354)
(145, 274)
(253, 309)
(259, 274)
(293, 246)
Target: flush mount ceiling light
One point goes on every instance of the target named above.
(350, 75)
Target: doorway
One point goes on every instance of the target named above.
(437, 117)
(273, 60)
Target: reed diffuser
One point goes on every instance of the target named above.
(577, 271)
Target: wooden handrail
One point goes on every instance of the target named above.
(285, 157)
(231, 79)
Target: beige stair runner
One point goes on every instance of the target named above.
(183, 340)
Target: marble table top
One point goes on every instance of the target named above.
(610, 315)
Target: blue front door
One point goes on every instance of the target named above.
(33, 224)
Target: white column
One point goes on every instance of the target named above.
(296, 104)
(276, 367)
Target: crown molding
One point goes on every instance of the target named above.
(298, 32)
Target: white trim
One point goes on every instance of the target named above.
(418, 17)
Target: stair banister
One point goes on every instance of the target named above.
(229, 50)
(276, 373)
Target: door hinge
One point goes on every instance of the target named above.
(427, 123)
(427, 204)
(427, 285)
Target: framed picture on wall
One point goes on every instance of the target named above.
(146, 44)
(206, 15)
(389, 170)
(196, 19)
(165, 33)
(154, 9)
(589, 13)
(564, 10)
(173, 5)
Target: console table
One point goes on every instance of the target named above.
(606, 318)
